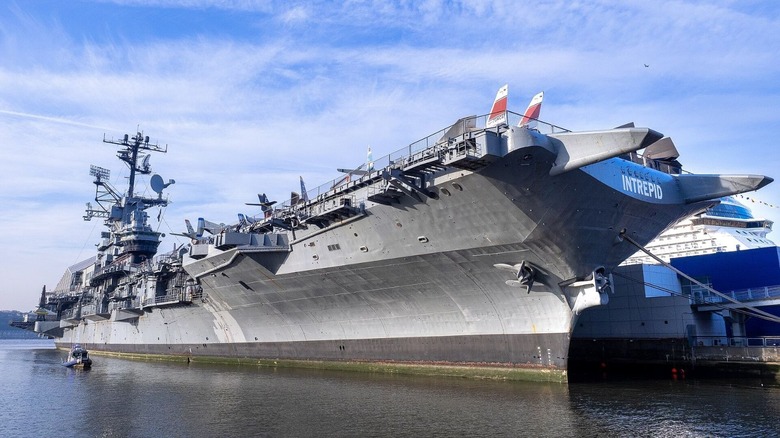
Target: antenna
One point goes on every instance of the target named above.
(100, 173)
(131, 146)
(104, 192)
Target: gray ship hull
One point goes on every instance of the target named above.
(426, 289)
(479, 249)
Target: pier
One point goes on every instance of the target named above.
(658, 321)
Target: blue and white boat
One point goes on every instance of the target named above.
(78, 358)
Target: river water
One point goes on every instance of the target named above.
(130, 398)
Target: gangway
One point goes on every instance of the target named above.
(740, 299)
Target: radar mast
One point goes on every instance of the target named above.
(129, 232)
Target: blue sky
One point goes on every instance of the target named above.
(250, 95)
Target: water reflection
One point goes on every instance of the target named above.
(138, 399)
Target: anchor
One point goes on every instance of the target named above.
(524, 271)
(591, 291)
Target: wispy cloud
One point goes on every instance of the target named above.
(49, 119)
(235, 5)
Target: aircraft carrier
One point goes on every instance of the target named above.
(477, 246)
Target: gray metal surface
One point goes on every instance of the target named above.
(409, 262)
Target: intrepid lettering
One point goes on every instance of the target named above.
(640, 187)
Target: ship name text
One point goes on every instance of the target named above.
(644, 188)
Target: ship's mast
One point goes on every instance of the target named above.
(129, 232)
(130, 155)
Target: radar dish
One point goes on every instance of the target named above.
(157, 183)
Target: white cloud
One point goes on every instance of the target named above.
(249, 109)
(295, 14)
(237, 5)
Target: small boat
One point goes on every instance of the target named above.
(78, 358)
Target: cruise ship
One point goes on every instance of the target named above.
(725, 227)
(472, 249)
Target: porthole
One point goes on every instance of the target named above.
(446, 192)
(363, 249)
(315, 257)
(422, 239)
(458, 187)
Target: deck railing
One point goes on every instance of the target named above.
(742, 295)
(399, 157)
(671, 169)
(186, 295)
(736, 341)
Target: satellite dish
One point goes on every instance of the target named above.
(157, 183)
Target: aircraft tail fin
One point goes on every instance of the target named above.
(264, 204)
(190, 232)
(245, 219)
(531, 114)
(211, 227)
(304, 195)
(498, 111)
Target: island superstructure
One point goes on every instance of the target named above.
(478, 245)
